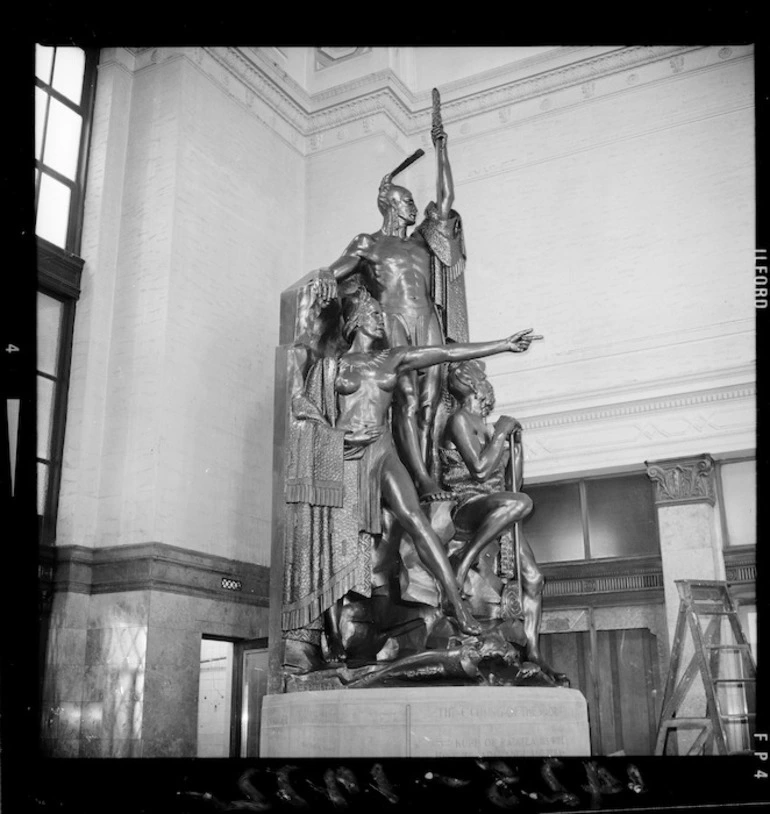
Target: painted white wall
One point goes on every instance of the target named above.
(193, 227)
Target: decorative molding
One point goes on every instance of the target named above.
(282, 94)
(741, 565)
(253, 78)
(639, 407)
(122, 58)
(603, 582)
(619, 426)
(328, 55)
(154, 566)
(468, 97)
(623, 444)
(683, 480)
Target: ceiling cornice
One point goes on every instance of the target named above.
(384, 91)
(559, 77)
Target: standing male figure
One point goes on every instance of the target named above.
(397, 269)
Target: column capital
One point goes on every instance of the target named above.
(683, 480)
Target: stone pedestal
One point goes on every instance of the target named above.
(426, 722)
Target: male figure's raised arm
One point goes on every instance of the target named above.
(445, 191)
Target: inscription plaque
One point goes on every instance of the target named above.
(403, 722)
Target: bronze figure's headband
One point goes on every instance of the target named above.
(387, 181)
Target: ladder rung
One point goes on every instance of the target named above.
(739, 716)
(711, 590)
(687, 722)
(703, 612)
(734, 680)
(728, 646)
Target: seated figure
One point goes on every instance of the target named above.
(474, 461)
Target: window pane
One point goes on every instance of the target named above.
(53, 210)
(42, 486)
(49, 313)
(739, 492)
(68, 72)
(43, 61)
(554, 530)
(40, 99)
(621, 517)
(45, 394)
(255, 670)
(748, 618)
(62, 139)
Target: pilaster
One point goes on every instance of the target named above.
(690, 545)
(690, 540)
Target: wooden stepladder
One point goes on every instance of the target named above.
(722, 658)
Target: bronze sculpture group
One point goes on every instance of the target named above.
(400, 540)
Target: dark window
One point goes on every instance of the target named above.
(621, 517)
(554, 530)
(65, 79)
(594, 518)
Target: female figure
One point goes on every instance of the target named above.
(475, 459)
(365, 382)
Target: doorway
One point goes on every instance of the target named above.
(232, 682)
(215, 698)
(617, 672)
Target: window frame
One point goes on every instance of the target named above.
(236, 712)
(77, 186)
(739, 560)
(721, 501)
(59, 273)
(583, 501)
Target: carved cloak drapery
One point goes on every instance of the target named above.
(447, 246)
(325, 554)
